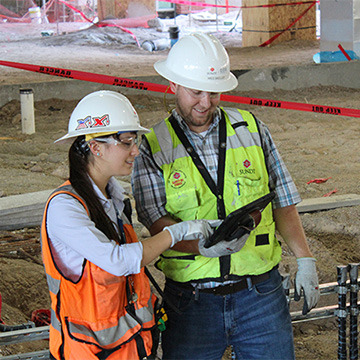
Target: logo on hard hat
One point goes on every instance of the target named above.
(177, 179)
(93, 122)
(219, 74)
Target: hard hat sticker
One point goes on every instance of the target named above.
(93, 122)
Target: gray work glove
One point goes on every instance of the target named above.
(223, 247)
(307, 280)
(190, 230)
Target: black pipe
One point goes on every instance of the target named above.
(6, 328)
(342, 291)
(354, 311)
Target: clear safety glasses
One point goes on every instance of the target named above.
(127, 143)
(197, 94)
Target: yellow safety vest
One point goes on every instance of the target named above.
(244, 177)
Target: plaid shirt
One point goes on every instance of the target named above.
(148, 182)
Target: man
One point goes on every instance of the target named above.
(204, 162)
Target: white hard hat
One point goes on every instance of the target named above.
(198, 61)
(102, 112)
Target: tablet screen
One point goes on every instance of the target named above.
(240, 221)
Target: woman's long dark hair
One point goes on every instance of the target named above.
(79, 159)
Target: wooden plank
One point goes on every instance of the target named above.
(262, 23)
(329, 202)
(116, 9)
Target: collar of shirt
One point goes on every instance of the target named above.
(116, 193)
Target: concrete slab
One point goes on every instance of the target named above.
(327, 203)
(26, 210)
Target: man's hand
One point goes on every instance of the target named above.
(307, 280)
(190, 230)
(223, 247)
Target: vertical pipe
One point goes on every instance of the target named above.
(354, 312)
(175, 14)
(190, 9)
(217, 18)
(342, 290)
(27, 111)
(57, 16)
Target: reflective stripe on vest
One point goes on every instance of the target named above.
(106, 337)
(93, 310)
(188, 197)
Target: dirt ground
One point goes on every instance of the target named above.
(312, 145)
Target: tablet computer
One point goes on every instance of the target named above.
(240, 221)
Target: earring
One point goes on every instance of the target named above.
(98, 154)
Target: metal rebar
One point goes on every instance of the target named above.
(354, 311)
(342, 313)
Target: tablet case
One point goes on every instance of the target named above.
(240, 221)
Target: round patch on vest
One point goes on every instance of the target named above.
(177, 179)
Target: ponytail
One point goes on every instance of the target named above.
(79, 159)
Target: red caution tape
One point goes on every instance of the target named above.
(318, 181)
(86, 76)
(143, 85)
(344, 52)
(331, 192)
(330, 110)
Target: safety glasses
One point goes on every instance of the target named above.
(127, 143)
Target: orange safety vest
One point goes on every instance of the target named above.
(96, 317)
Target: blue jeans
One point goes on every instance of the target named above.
(255, 321)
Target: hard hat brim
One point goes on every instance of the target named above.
(69, 137)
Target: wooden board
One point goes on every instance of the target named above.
(115, 9)
(262, 23)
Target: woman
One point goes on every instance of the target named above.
(101, 302)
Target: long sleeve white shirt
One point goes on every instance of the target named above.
(73, 236)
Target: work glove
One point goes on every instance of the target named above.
(307, 280)
(189, 230)
(223, 247)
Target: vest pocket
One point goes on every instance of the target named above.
(246, 190)
(183, 204)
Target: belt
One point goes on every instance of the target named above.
(225, 289)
